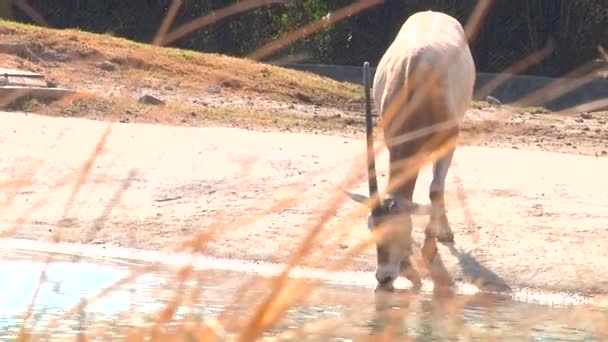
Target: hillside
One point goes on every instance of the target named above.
(200, 89)
(196, 87)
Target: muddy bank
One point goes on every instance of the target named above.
(531, 218)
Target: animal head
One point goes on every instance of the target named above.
(391, 224)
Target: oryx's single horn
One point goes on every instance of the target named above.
(371, 158)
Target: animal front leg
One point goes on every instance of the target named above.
(438, 225)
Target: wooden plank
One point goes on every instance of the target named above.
(19, 73)
(22, 81)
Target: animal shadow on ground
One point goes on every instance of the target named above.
(472, 270)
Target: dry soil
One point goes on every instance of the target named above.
(521, 217)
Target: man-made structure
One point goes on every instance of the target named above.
(513, 89)
(15, 84)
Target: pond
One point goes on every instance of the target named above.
(335, 310)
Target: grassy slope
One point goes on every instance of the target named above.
(76, 59)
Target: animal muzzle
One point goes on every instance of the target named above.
(386, 274)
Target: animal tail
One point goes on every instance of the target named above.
(422, 76)
(427, 85)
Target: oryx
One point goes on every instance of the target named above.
(422, 87)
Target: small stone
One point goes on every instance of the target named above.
(604, 152)
(586, 128)
(232, 84)
(108, 66)
(214, 90)
(579, 120)
(585, 115)
(149, 99)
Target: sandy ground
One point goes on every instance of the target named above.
(530, 218)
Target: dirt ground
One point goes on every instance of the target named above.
(232, 136)
(208, 89)
(531, 218)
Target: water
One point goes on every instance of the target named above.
(334, 311)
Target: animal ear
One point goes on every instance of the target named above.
(356, 197)
(412, 208)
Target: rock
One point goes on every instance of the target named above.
(236, 84)
(493, 101)
(108, 66)
(149, 99)
(214, 90)
(303, 97)
(585, 115)
(579, 120)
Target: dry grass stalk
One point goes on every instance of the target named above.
(284, 292)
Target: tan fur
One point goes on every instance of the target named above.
(425, 41)
(425, 38)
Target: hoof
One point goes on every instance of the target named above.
(446, 236)
(414, 278)
(384, 288)
(411, 274)
(439, 227)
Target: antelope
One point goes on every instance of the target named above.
(422, 87)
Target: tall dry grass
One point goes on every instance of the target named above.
(284, 292)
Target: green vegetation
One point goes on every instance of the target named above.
(26, 104)
(506, 36)
(82, 56)
(125, 109)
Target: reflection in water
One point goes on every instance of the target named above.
(331, 312)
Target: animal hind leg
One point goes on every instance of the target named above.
(438, 225)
